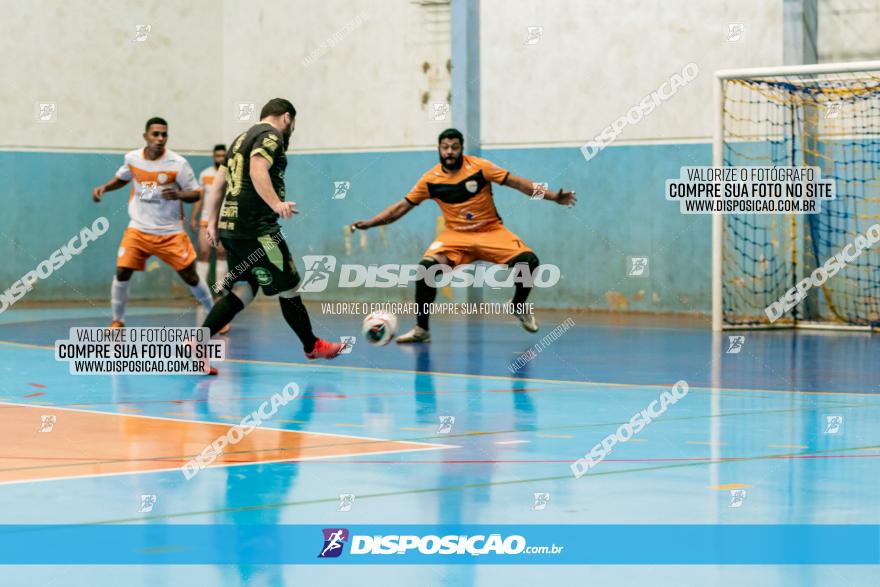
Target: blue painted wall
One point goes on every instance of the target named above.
(47, 199)
(621, 213)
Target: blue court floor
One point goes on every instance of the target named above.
(783, 432)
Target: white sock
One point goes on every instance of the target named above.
(202, 269)
(119, 298)
(221, 269)
(203, 294)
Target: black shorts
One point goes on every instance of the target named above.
(262, 262)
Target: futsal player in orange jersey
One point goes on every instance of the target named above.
(462, 187)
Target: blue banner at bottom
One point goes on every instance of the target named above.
(177, 544)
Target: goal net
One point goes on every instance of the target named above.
(825, 116)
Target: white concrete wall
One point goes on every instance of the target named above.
(81, 55)
(357, 71)
(365, 74)
(848, 30)
(597, 59)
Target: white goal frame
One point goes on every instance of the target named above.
(718, 161)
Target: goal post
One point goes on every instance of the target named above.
(825, 116)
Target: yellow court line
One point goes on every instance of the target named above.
(729, 486)
(350, 425)
(536, 380)
(499, 377)
(24, 344)
(554, 435)
(177, 414)
(787, 446)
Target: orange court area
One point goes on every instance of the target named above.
(79, 443)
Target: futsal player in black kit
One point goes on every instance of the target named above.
(250, 187)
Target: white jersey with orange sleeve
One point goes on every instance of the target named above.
(148, 211)
(206, 178)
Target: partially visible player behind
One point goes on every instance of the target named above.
(462, 187)
(162, 181)
(250, 187)
(199, 220)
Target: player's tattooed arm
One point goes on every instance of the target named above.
(213, 201)
(539, 191)
(196, 213)
(387, 216)
(113, 184)
(259, 172)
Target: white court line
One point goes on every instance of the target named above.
(223, 465)
(183, 458)
(29, 405)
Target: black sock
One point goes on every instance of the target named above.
(425, 294)
(294, 311)
(223, 312)
(523, 290)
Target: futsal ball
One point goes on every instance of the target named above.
(380, 328)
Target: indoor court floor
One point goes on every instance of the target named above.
(783, 432)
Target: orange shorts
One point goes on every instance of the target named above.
(136, 247)
(497, 245)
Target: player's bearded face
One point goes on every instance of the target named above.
(450, 153)
(288, 130)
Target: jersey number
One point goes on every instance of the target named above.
(235, 170)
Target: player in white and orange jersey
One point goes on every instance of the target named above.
(162, 181)
(199, 220)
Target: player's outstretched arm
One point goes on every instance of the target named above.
(196, 213)
(387, 216)
(534, 190)
(113, 184)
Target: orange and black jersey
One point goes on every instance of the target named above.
(464, 195)
(245, 214)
